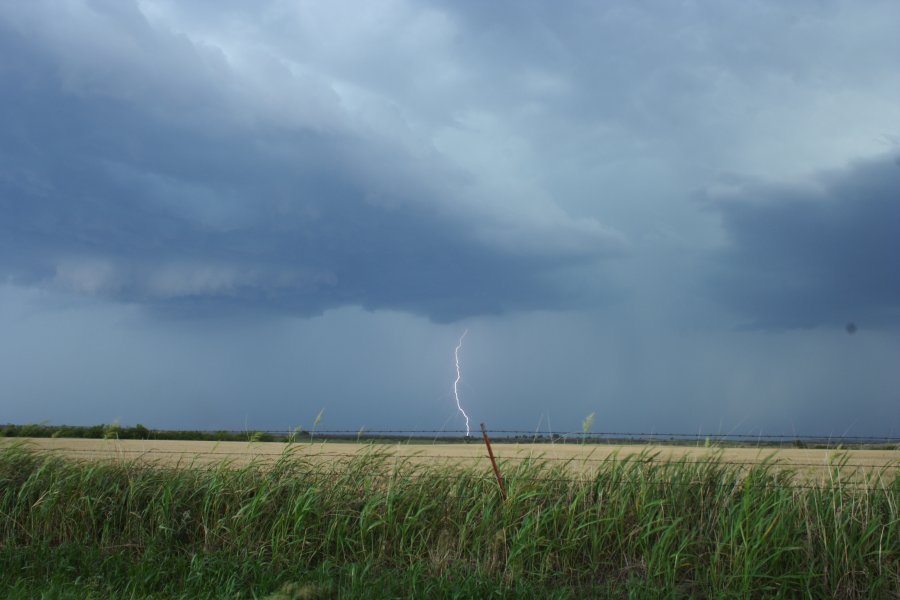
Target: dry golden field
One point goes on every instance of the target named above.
(578, 459)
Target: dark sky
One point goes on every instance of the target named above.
(228, 215)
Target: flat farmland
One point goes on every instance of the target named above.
(579, 460)
(175, 519)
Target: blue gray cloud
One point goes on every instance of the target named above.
(822, 253)
(139, 169)
(528, 167)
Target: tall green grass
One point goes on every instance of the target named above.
(376, 527)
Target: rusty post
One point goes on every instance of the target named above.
(487, 443)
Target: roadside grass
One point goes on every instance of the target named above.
(377, 526)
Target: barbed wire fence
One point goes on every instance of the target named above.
(502, 435)
(649, 459)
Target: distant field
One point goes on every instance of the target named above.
(582, 460)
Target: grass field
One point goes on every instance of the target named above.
(171, 520)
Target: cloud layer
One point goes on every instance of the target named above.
(399, 165)
(148, 167)
(820, 253)
(445, 159)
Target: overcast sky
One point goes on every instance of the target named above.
(220, 214)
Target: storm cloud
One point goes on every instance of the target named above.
(231, 214)
(139, 168)
(820, 253)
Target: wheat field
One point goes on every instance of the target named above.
(579, 459)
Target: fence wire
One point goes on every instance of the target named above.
(364, 433)
(500, 458)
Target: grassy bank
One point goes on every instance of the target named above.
(370, 527)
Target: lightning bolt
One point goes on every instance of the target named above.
(458, 377)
